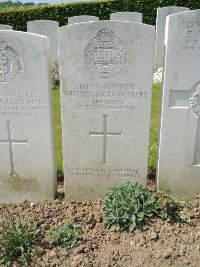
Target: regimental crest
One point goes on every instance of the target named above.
(106, 55)
(10, 63)
(195, 102)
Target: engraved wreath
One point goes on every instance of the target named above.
(195, 102)
(106, 55)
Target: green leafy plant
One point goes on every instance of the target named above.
(129, 206)
(17, 240)
(67, 235)
(174, 209)
(165, 192)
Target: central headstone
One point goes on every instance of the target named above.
(27, 153)
(127, 16)
(106, 78)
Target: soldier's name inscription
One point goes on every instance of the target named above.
(18, 103)
(106, 97)
(106, 90)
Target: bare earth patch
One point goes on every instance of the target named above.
(159, 244)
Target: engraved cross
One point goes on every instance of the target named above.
(105, 135)
(183, 99)
(10, 141)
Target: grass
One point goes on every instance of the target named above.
(155, 118)
(154, 131)
(58, 130)
(66, 235)
(18, 238)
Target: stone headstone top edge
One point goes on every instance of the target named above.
(105, 21)
(42, 20)
(169, 7)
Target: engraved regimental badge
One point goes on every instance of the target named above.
(10, 63)
(106, 55)
(195, 102)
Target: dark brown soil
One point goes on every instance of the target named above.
(159, 244)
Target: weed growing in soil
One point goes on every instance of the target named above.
(17, 240)
(173, 209)
(129, 206)
(67, 235)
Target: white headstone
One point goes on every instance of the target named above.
(47, 28)
(162, 13)
(5, 27)
(127, 16)
(83, 18)
(106, 72)
(179, 152)
(27, 158)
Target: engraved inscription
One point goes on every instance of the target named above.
(21, 184)
(191, 41)
(18, 180)
(106, 55)
(10, 141)
(109, 96)
(10, 63)
(19, 103)
(105, 135)
(117, 173)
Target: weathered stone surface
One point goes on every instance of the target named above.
(27, 165)
(179, 152)
(106, 78)
(162, 13)
(127, 16)
(5, 27)
(83, 18)
(47, 28)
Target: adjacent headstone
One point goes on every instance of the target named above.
(179, 152)
(5, 27)
(27, 157)
(83, 18)
(127, 16)
(106, 72)
(162, 13)
(47, 28)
